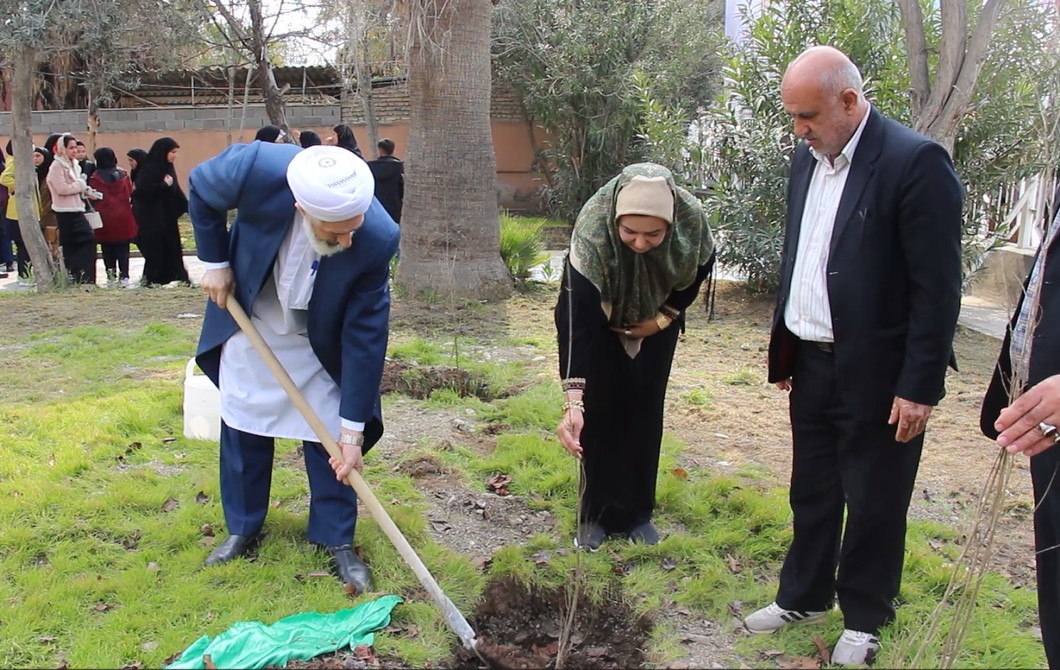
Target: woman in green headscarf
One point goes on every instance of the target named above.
(640, 249)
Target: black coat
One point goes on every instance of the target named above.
(389, 175)
(894, 270)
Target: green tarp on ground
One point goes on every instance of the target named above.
(252, 644)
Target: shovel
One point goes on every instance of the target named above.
(452, 615)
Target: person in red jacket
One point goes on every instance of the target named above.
(119, 225)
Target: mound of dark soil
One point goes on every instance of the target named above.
(521, 628)
(419, 381)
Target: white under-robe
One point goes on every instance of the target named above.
(251, 399)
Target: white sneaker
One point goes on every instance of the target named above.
(124, 283)
(773, 617)
(855, 648)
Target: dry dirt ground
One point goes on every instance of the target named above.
(738, 422)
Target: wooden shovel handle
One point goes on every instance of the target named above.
(452, 615)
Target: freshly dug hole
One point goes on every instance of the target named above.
(520, 628)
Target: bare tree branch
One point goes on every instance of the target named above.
(916, 48)
(954, 43)
(956, 104)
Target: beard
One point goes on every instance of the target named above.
(320, 246)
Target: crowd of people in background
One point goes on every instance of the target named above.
(84, 203)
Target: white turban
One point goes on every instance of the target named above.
(331, 183)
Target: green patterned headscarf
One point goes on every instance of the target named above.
(633, 286)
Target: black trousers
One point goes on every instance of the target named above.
(116, 258)
(839, 461)
(79, 246)
(14, 233)
(1045, 475)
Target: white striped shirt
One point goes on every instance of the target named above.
(808, 313)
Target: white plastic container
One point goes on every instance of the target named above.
(202, 406)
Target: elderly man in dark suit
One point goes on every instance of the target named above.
(307, 257)
(1031, 359)
(862, 335)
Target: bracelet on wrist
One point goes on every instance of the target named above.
(574, 404)
(574, 384)
(352, 440)
(662, 320)
(670, 312)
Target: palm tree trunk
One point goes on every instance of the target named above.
(450, 244)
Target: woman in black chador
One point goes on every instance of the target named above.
(158, 202)
(640, 250)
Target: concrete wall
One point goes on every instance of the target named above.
(202, 132)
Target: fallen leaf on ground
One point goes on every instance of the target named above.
(482, 562)
(734, 565)
(318, 573)
(541, 557)
(167, 440)
(138, 665)
(63, 665)
(411, 631)
(153, 567)
(102, 607)
(669, 564)
(822, 649)
(206, 530)
(363, 652)
(170, 504)
(935, 544)
(202, 498)
(680, 473)
(47, 639)
(133, 446)
(771, 653)
(596, 652)
(684, 611)
(149, 646)
(499, 484)
(736, 608)
(800, 663)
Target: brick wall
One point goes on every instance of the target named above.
(392, 105)
(168, 119)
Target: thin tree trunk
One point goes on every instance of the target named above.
(939, 105)
(274, 104)
(231, 69)
(450, 243)
(364, 90)
(93, 122)
(25, 174)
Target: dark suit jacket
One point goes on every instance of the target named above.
(894, 270)
(349, 311)
(1045, 345)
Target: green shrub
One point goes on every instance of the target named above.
(521, 245)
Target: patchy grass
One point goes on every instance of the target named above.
(107, 510)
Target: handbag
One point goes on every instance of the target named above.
(95, 221)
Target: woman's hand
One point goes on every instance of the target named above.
(569, 431)
(639, 330)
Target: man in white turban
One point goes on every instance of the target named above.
(307, 257)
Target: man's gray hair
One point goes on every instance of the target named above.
(844, 75)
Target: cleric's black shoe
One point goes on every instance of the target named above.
(351, 571)
(234, 546)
